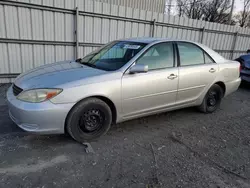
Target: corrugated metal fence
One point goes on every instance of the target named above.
(45, 31)
(150, 5)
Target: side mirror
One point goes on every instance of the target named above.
(137, 68)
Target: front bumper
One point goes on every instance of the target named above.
(245, 75)
(44, 118)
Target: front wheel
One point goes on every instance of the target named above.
(212, 100)
(89, 120)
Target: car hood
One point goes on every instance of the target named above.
(55, 74)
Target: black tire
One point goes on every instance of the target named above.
(88, 120)
(212, 100)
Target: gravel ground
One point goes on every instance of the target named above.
(182, 148)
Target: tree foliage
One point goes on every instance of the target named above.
(243, 17)
(208, 10)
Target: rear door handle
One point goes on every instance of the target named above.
(172, 76)
(212, 70)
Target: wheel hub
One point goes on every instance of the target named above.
(91, 120)
(212, 99)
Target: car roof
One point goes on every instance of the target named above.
(147, 40)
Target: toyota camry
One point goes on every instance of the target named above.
(122, 80)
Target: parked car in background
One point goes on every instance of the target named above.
(244, 61)
(123, 80)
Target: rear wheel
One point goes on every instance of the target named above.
(89, 120)
(212, 100)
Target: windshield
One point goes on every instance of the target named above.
(113, 56)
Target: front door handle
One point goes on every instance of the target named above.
(172, 76)
(212, 70)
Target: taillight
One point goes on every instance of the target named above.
(240, 67)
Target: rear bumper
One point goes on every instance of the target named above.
(43, 118)
(232, 86)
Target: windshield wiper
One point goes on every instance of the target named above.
(78, 60)
(89, 65)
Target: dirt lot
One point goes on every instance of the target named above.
(183, 148)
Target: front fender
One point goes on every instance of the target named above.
(108, 89)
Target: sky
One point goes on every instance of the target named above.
(238, 5)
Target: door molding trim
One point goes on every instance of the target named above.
(151, 95)
(189, 88)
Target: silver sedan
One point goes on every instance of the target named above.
(124, 79)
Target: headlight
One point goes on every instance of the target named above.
(38, 95)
